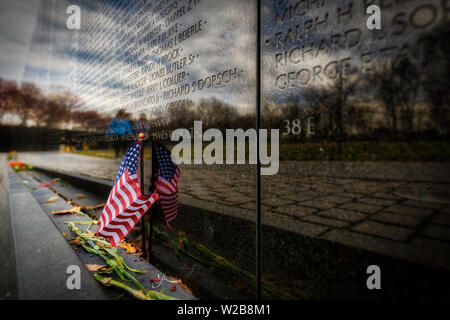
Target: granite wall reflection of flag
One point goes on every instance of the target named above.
(167, 176)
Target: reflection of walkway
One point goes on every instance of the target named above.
(379, 206)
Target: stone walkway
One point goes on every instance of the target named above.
(8, 288)
(400, 209)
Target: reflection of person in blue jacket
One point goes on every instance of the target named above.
(120, 128)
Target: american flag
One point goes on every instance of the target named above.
(125, 205)
(166, 183)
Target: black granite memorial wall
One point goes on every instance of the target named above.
(344, 92)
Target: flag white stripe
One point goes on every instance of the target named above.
(125, 208)
(113, 234)
(128, 220)
(123, 194)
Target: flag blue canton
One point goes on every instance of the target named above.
(166, 166)
(129, 161)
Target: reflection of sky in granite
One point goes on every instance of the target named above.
(36, 44)
(17, 21)
(60, 51)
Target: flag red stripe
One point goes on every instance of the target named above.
(124, 208)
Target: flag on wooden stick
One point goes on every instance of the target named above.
(166, 180)
(125, 205)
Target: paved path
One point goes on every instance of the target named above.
(396, 208)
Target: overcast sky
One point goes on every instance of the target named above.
(17, 24)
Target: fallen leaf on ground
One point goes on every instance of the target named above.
(93, 267)
(75, 241)
(73, 210)
(130, 248)
(173, 288)
(64, 234)
(102, 245)
(167, 244)
(181, 284)
(46, 185)
(185, 287)
(25, 182)
(51, 199)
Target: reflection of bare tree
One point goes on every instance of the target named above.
(89, 120)
(338, 95)
(53, 110)
(383, 80)
(274, 115)
(316, 100)
(271, 116)
(182, 117)
(408, 85)
(30, 99)
(9, 93)
(28, 102)
(397, 86)
(217, 114)
(436, 78)
(332, 107)
(212, 112)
